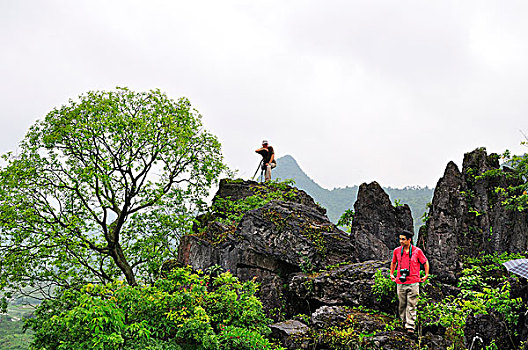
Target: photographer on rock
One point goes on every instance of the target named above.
(268, 159)
(408, 259)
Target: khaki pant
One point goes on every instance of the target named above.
(270, 166)
(408, 296)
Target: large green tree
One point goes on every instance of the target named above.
(102, 188)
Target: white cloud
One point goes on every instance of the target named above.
(356, 91)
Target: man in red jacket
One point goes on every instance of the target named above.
(408, 259)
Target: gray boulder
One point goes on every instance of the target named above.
(445, 222)
(377, 223)
(343, 285)
(292, 334)
(364, 330)
(481, 330)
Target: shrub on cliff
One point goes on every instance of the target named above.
(186, 310)
(515, 194)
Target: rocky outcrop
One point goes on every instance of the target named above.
(481, 330)
(378, 333)
(349, 284)
(377, 223)
(235, 190)
(444, 224)
(340, 327)
(292, 334)
(269, 243)
(467, 217)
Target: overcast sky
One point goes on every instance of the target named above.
(355, 91)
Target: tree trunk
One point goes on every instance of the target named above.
(122, 263)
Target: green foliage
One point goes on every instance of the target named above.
(425, 216)
(331, 267)
(12, 334)
(475, 212)
(384, 288)
(233, 211)
(241, 339)
(485, 271)
(484, 289)
(306, 319)
(450, 313)
(346, 219)
(339, 337)
(184, 311)
(514, 196)
(315, 234)
(102, 188)
(306, 264)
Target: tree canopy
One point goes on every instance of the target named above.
(102, 188)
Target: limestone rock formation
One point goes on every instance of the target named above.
(292, 334)
(377, 223)
(269, 243)
(485, 329)
(238, 189)
(349, 284)
(380, 335)
(467, 216)
(447, 209)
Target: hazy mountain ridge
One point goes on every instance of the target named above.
(337, 200)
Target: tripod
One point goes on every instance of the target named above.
(261, 171)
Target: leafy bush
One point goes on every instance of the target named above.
(346, 219)
(384, 288)
(484, 289)
(186, 310)
(241, 339)
(515, 197)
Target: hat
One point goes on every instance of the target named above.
(264, 142)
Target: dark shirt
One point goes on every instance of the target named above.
(267, 156)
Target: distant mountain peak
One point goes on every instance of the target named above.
(288, 168)
(337, 200)
(287, 159)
